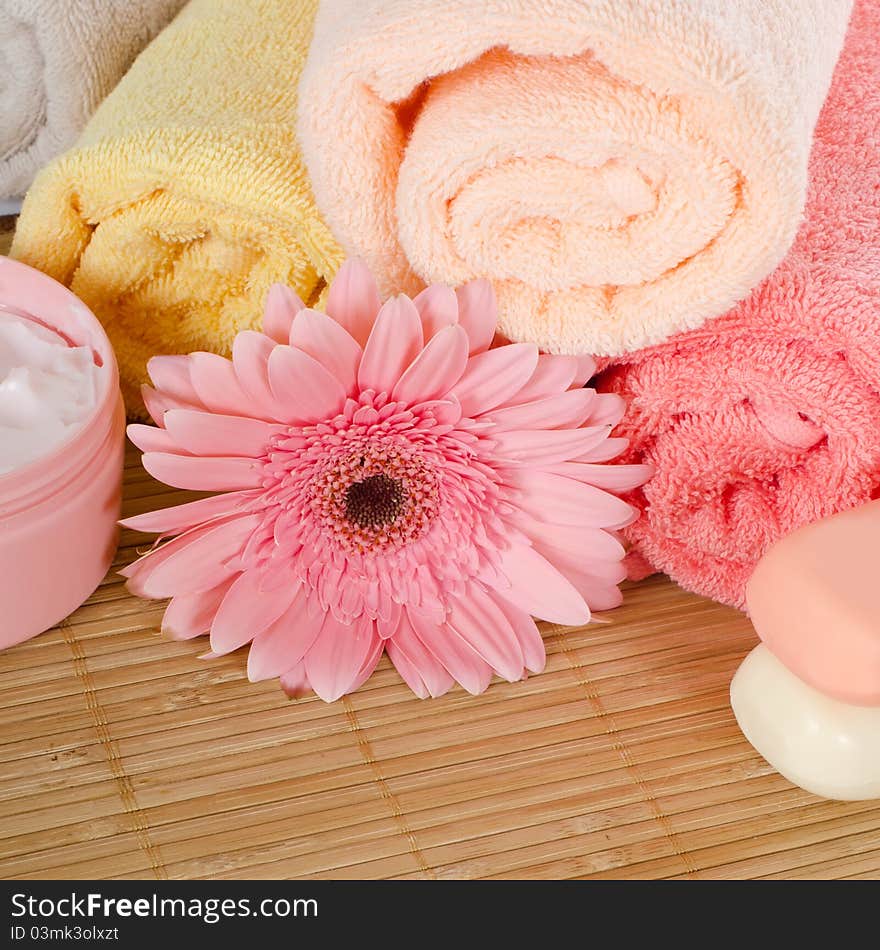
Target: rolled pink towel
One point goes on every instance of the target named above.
(768, 418)
(621, 169)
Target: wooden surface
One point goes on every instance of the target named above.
(6, 229)
(124, 755)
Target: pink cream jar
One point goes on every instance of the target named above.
(59, 511)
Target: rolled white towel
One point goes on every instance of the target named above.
(58, 59)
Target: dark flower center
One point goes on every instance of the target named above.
(374, 502)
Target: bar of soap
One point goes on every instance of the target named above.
(814, 599)
(825, 746)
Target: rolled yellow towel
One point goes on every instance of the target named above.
(186, 198)
(621, 169)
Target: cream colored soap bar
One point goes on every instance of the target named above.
(814, 599)
(825, 746)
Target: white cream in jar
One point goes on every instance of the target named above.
(48, 388)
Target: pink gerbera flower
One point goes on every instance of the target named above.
(388, 482)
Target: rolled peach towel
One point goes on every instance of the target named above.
(768, 418)
(620, 170)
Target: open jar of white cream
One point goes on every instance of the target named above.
(61, 451)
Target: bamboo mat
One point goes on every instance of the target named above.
(124, 756)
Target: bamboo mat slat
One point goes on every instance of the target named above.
(7, 226)
(122, 755)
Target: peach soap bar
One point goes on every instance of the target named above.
(814, 599)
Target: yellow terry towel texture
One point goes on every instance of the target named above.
(186, 197)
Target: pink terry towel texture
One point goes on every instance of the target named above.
(621, 169)
(768, 417)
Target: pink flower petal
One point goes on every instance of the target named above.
(599, 592)
(386, 626)
(203, 474)
(282, 305)
(436, 369)
(539, 589)
(493, 377)
(369, 664)
(295, 682)
(191, 615)
(408, 671)
(552, 375)
(595, 578)
(460, 659)
(284, 642)
(413, 659)
(438, 308)
(604, 451)
(170, 375)
(446, 411)
(305, 391)
(217, 385)
(477, 619)
(586, 370)
(478, 313)
(193, 561)
(580, 561)
(562, 411)
(617, 478)
(560, 500)
(395, 341)
(246, 611)
(353, 301)
(338, 655)
(609, 408)
(151, 438)
(593, 545)
(527, 634)
(158, 404)
(545, 446)
(212, 434)
(327, 342)
(181, 517)
(250, 357)
(158, 554)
